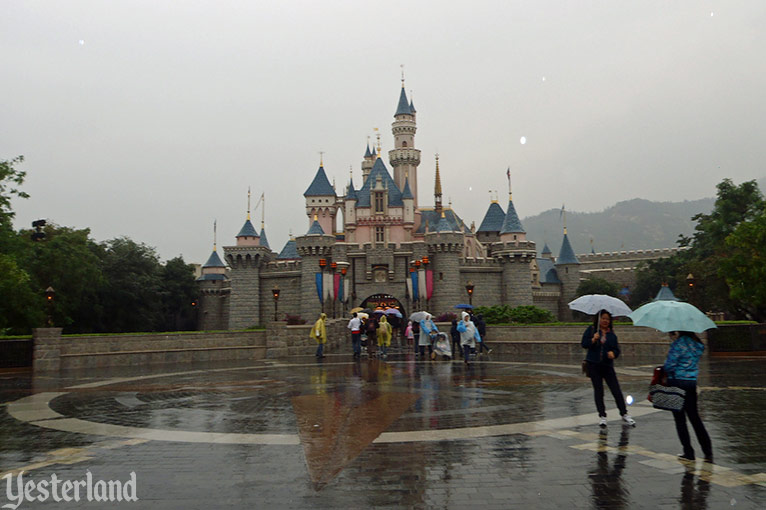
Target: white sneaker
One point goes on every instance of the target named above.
(602, 421)
(628, 420)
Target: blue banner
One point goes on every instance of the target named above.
(319, 287)
(415, 293)
(339, 294)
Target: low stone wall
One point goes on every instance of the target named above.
(54, 352)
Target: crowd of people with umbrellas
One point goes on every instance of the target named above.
(676, 379)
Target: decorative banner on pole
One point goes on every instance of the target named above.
(409, 287)
(346, 288)
(422, 284)
(328, 289)
(429, 283)
(415, 294)
(319, 287)
(336, 286)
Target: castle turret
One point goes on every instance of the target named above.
(567, 269)
(314, 247)
(405, 158)
(349, 212)
(409, 209)
(368, 161)
(445, 247)
(215, 287)
(437, 189)
(321, 201)
(492, 224)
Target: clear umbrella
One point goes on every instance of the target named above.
(671, 316)
(594, 303)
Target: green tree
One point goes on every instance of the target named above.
(178, 290)
(131, 294)
(595, 285)
(744, 266)
(20, 307)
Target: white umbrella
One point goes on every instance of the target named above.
(594, 303)
(418, 316)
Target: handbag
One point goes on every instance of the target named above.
(585, 368)
(669, 398)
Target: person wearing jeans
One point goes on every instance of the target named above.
(355, 325)
(603, 349)
(681, 366)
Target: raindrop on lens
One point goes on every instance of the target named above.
(629, 400)
(470, 188)
(523, 140)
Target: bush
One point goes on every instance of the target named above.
(294, 320)
(446, 317)
(504, 314)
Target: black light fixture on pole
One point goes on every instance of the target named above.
(469, 290)
(49, 295)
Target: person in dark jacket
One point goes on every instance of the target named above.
(455, 334)
(681, 367)
(603, 349)
(481, 327)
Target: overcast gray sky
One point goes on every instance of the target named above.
(150, 119)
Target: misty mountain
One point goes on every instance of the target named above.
(629, 225)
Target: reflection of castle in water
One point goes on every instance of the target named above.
(422, 257)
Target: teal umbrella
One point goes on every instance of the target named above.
(671, 316)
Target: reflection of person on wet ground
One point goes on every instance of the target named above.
(384, 336)
(427, 331)
(319, 333)
(468, 335)
(694, 498)
(606, 482)
(355, 325)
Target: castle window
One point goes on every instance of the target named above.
(380, 234)
(379, 202)
(404, 144)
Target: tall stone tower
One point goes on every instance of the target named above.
(405, 158)
(214, 290)
(445, 247)
(316, 245)
(321, 202)
(516, 254)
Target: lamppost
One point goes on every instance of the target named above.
(49, 295)
(690, 283)
(275, 293)
(469, 290)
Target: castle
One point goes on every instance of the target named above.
(393, 251)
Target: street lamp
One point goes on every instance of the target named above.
(469, 290)
(690, 283)
(275, 293)
(49, 295)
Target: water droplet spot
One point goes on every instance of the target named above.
(629, 400)
(81, 42)
(523, 140)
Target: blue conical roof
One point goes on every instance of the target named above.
(444, 225)
(546, 250)
(566, 255)
(247, 230)
(394, 194)
(367, 153)
(493, 220)
(351, 193)
(404, 106)
(407, 193)
(316, 229)
(665, 294)
(214, 261)
(320, 186)
(511, 223)
(290, 251)
(264, 241)
(412, 107)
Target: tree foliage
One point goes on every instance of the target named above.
(723, 267)
(504, 314)
(595, 285)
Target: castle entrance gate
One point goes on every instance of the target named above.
(387, 301)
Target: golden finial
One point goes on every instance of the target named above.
(316, 218)
(438, 183)
(321, 158)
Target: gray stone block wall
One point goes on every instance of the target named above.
(517, 280)
(213, 305)
(244, 308)
(289, 283)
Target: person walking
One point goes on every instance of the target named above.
(409, 335)
(416, 335)
(371, 328)
(455, 335)
(319, 333)
(603, 349)
(384, 336)
(681, 366)
(355, 325)
(468, 335)
(427, 330)
(481, 327)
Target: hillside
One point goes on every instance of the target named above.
(633, 224)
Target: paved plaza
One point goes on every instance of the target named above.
(395, 433)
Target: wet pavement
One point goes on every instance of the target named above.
(395, 433)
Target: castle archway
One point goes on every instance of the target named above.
(385, 301)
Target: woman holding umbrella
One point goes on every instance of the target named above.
(603, 349)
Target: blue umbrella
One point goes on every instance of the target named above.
(463, 306)
(394, 312)
(671, 316)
